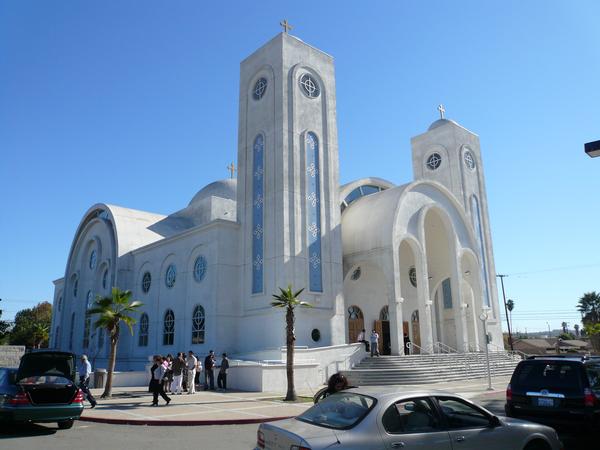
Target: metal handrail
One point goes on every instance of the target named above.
(443, 348)
(422, 350)
(523, 355)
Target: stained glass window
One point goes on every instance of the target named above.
(93, 259)
(258, 213)
(469, 159)
(434, 161)
(143, 335)
(447, 293)
(198, 323)
(310, 86)
(412, 276)
(146, 282)
(200, 268)
(384, 314)
(169, 328)
(260, 87)
(170, 276)
(313, 212)
(105, 279)
(354, 312)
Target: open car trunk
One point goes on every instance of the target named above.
(48, 377)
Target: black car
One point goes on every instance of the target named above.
(556, 390)
(42, 389)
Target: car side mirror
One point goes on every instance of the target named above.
(495, 422)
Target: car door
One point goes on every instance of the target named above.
(413, 424)
(472, 428)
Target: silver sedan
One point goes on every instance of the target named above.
(391, 418)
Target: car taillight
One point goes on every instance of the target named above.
(78, 397)
(260, 439)
(589, 398)
(299, 447)
(508, 393)
(20, 399)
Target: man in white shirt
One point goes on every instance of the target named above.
(374, 338)
(85, 370)
(361, 338)
(191, 362)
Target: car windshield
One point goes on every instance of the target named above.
(342, 410)
(549, 375)
(593, 374)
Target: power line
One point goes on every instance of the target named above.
(556, 269)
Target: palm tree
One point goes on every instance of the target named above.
(112, 311)
(589, 307)
(564, 326)
(40, 334)
(576, 326)
(289, 300)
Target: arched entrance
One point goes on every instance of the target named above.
(382, 326)
(416, 331)
(356, 323)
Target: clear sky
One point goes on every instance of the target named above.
(135, 104)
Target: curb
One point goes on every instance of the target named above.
(152, 422)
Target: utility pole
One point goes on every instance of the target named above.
(510, 341)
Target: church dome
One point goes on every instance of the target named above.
(439, 123)
(226, 188)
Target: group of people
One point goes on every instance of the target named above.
(175, 375)
(373, 342)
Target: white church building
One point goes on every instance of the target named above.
(415, 258)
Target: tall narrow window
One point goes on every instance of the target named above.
(71, 331)
(258, 200)
(198, 325)
(100, 338)
(86, 330)
(476, 215)
(447, 293)
(313, 212)
(143, 335)
(56, 343)
(169, 328)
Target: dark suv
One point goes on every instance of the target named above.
(556, 390)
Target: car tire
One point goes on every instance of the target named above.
(537, 445)
(66, 424)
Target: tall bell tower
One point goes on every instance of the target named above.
(287, 195)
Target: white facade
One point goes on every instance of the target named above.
(415, 258)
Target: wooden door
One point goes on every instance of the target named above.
(378, 327)
(416, 336)
(386, 338)
(355, 326)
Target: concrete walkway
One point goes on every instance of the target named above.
(131, 406)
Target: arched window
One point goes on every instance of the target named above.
(86, 330)
(75, 287)
(143, 334)
(56, 343)
(100, 338)
(313, 212)
(355, 312)
(105, 279)
(71, 331)
(169, 328)
(447, 293)
(384, 314)
(258, 200)
(198, 324)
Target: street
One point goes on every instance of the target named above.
(96, 436)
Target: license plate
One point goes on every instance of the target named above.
(546, 402)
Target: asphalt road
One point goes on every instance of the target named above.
(95, 436)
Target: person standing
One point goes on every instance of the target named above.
(222, 377)
(374, 338)
(157, 379)
(177, 367)
(191, 363)
(361, 338)
(209, 375)
(406, 344)
(85, 370)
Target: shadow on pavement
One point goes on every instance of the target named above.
(11, 430)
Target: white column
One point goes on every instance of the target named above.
(460, 319)
(425, 303)
(396, 334)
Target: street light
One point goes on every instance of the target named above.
(593, 149)
(484, 317)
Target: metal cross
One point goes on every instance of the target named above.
(231, 168)
(286, 26)
(441, 110)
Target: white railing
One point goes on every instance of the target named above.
(443, 348)
(519, 353)
(422, 350)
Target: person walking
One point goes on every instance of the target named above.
(85, 370)
(209, 375)
(222, 377)
(157, 378)
(361, 338)
(168, 379)
(178, 368)
(191, 363)
(374, 338)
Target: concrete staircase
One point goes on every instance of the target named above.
(421, 369)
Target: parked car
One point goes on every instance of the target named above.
(556, 390)
(389, 418)
(42, 389)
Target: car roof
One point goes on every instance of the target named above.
(382, 392)
(569, 358)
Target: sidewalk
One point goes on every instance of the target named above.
(131, 406)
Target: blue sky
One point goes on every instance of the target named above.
(135, 104)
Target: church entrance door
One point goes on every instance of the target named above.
(356, 323)
(416, 331)
(382, 327)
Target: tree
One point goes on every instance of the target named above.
(111, 312)
(576, 327)
(510, 305)
(32, 326)
(589, 307)
(564, 326)
(289, 300)
(4, 328)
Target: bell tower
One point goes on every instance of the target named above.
(287, 197)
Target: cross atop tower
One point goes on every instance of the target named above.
(231, 168)
(441, 110)
(286, 26)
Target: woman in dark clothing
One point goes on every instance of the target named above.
(337, 382)
(157, 374)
